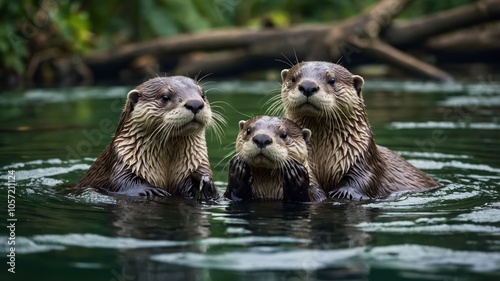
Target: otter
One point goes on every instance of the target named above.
(159, 147)
(326, 98)
(271, 162)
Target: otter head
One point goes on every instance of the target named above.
(320, 89)
(167, 107)
(269, 142)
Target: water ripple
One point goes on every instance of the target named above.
(444, 125)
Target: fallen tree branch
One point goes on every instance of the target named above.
(418, 30)
(386, 52)
(470, 41)
(205, 41)
(224, 51)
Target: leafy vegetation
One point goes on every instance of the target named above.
(40, 29)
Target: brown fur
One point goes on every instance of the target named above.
(285, 156)
(348, 163)
(159, 147)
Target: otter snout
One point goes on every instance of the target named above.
(308, 88)
(262, 140)
(194, 106)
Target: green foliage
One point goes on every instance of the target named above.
(13, 48)
(25, 23)
(147, 19)
(74, 26)
(79, 26)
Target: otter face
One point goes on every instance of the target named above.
(315, 88)
(175, 106)
(269, 142)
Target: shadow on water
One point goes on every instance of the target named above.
(258, 238)
(451, 233)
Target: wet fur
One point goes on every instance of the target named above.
(153, 151)
(283, 174)
(348, 162)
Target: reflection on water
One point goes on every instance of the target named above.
(450, 131)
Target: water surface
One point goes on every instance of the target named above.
(51, 137)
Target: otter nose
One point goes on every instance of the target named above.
(308, 88)
(194, 105)
(262, 140)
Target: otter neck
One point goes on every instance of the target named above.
(336, 143)
(162, 162)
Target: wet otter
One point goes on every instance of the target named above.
(326, 98)
(159, 147)
(271, 162)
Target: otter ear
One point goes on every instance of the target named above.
(284, 73)
(133, 98)
(358, 83)
(242, 124)
(306, 133)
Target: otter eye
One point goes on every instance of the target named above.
(248, 131)
(203, 94)
(165, 98)
(284, 135)
(293, 80)
(331, 81)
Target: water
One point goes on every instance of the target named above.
(50, 137)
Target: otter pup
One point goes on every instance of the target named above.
(326, 98)
(271, 162)
(159, 147)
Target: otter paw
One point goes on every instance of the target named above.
(347, 192)
(240, 180)
(206, 188)
(153, 191)
(296, 175)
(239, 169)
(296, 183)
(205, 180)
(139, 191)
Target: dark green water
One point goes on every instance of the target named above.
(50, 137)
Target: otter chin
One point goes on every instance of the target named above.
(271, 162)
(159, 147)
(327, 99)
(262, 161)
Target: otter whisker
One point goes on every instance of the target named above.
(215, 125)
(164, 134)
(288, 61)
(201, 79)
(230, 106)
(289, 64)
(285, 164)
(339, 60)
(159, 129)
(196, 76)
(231, 154)
(272, 93)
(296, 58)
(224, 159)
(212, 89)
(218, 107)
(274, 106)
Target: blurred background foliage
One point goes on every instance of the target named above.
(44, 28)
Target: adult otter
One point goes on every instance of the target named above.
(271, 162)
(159, 147)
(326, 98)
